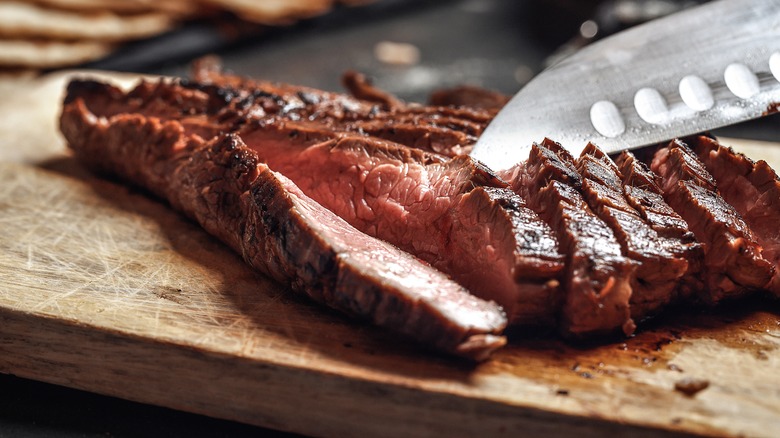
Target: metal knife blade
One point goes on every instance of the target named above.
(700, 69)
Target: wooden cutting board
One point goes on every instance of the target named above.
(105, 289)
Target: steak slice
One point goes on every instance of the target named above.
(279, 230)
(753, 188)
(440, 129)
(597, 277)
(453, 213)
(646, 197)
(659, 266)
(733, 264)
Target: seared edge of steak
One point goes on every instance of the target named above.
(733, 264)
(279, 230)
(753, 188)
(597, 277)
(497, 239)
(440, 129)
(659, 268)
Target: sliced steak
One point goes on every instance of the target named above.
(597, 277)
(733, 263)
(452, 213)
(646, 197)
(753, 188)
(278, 229)
(659, 266)
(441, 129)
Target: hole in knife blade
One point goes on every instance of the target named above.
(605, 117)
(774, 65)
(696, 93)
(741, 81)
(651, 106)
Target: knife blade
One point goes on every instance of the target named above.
(699, 69)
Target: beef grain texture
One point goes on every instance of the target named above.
(452, 213)
(753, 188)
(733, 264)
(597, 278)
(276, 228)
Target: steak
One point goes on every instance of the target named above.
(452, 213)
(441, 129)
(265, 217)
(643, 193)
(371, 206)
(597, 277)
(753, 188)
(733, 264)
(660, 266)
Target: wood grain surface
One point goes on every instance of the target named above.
(105, 289)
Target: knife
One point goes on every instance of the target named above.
(699, 69)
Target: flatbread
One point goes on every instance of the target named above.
(274, 11)
(177, 7)
(24, 20)
(50, 54)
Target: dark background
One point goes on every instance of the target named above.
(498, 44)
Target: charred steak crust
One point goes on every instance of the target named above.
(753, 188)
(733, 264)
(441, 129)
(659, 267)
(597, 278)
(279, 230)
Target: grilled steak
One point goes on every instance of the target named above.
(659, 264)
(733, 263)
(304, 184)
(753, 188)
(453, 213)
(441, 129)
(597, 278)
(277, 228)
(643, 193)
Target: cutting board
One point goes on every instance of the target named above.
(105, 289)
